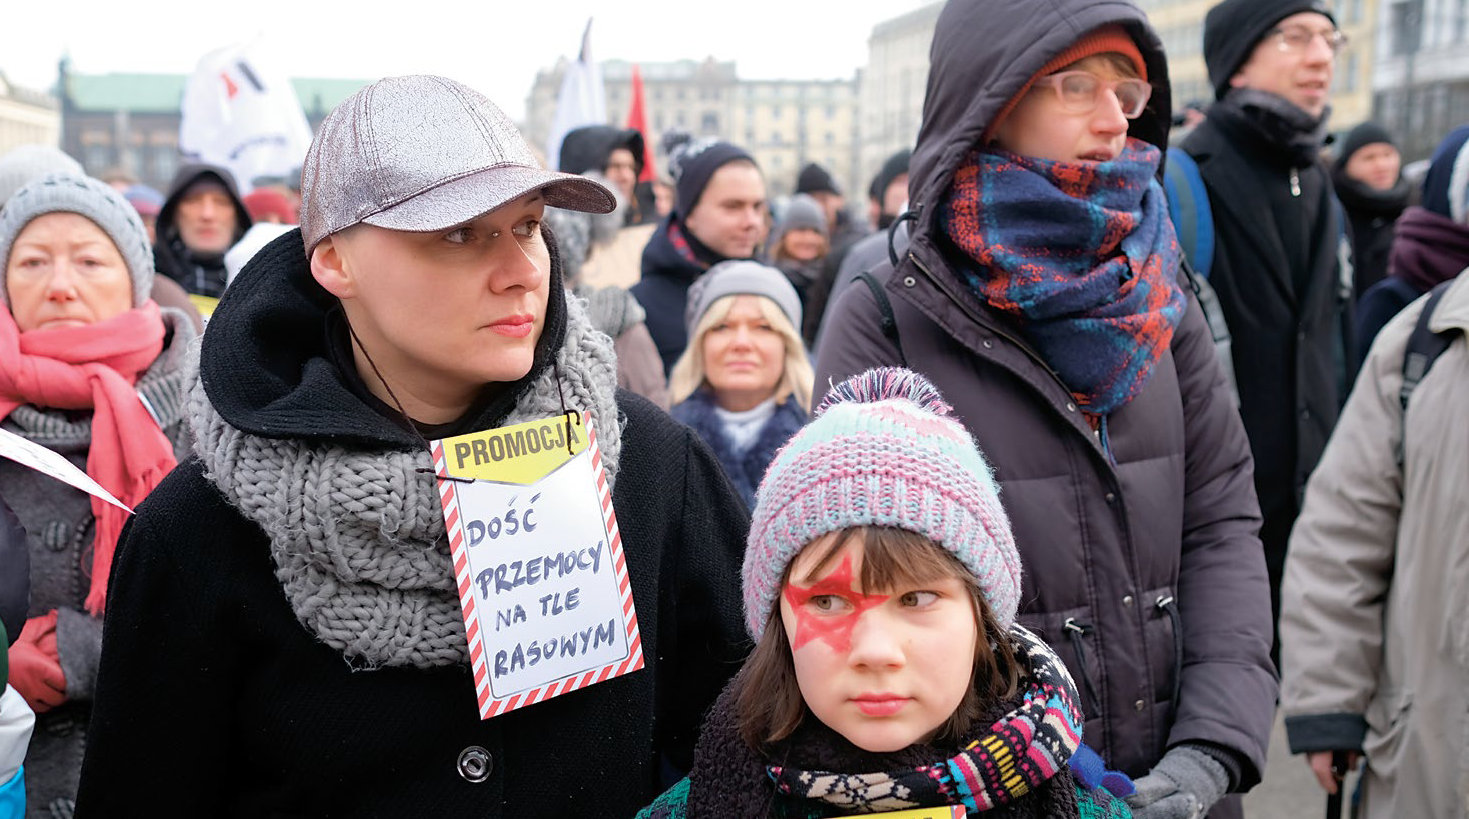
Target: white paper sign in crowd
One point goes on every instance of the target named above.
(47, 462)
(538, 558)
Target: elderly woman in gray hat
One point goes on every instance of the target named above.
(293, 641)
(744, 383)
(91, 368)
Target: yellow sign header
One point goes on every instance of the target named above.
(520, 454)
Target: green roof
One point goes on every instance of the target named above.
(161, 93)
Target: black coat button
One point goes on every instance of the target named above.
(475, 764)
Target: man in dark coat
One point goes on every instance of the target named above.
(202, 218)
(1137, 535)
(721, 213)
(1278, 251)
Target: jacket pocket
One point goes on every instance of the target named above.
(1387, 720)
(1071, 633)
(1163, 639)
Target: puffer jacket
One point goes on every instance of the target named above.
(1374, 643)
(1143, 568)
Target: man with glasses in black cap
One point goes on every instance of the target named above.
(1276, 263)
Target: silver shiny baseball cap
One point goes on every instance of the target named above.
(424, 153)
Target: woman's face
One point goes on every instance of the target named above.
(744, 356)
(1042, 126)
(64, 271)
(803, 244)
(883, 670)
(446, 312)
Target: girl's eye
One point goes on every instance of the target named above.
(528, 229)
(458, 236)
(919, 599)
(829, 603)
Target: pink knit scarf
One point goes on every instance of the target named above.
(95, 367)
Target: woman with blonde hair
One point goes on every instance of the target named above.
(744, 382)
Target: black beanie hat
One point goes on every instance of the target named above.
(816, 179)
(895, 166)
(1232, 28)
(1368, 133)
(693, 166)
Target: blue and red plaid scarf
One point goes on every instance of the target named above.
(1081, 254)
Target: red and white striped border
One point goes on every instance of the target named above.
(488, 706)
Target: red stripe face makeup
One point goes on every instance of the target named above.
(828, 610)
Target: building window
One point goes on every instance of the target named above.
(1405, 33)
(831, 139)
(709, 124)
(775, 112)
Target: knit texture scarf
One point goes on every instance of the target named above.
(95, 367)
(1082, 255)
(357, 536)
(1024, 748)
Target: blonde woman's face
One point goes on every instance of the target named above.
(884, 670)
(744, 356)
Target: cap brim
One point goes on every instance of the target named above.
(472, 196)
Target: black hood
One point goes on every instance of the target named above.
(983, 53)
(268, 366)
(182, 180)
(586, 149)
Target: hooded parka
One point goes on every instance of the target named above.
(1143, 568)
(1374, 642)
(202, 274)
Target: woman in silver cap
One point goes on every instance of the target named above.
(292, 640)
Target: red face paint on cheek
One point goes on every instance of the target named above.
(834, 629)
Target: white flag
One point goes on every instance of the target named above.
(581, 101)
(240, 114)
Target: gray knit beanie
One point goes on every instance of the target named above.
(741, 277)
(28, 163)
(93, 199)
(801, 212)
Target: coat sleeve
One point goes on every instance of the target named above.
(1227, 686)
(705, 614)
(160, 716)
(1340, 561)
(852, 340)
(639, 367)
(15, 577)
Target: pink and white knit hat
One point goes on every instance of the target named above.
(883, 450)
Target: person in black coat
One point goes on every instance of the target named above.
(1369, 182)
(720, 213)
(287, 637)
(202, 218)
(1278, 236)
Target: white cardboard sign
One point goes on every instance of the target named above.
(47, 462)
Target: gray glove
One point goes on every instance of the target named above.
(1184, 784)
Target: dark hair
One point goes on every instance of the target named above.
(769, 706)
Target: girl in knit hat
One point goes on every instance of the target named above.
(881, 584)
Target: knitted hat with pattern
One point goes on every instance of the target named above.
(93, 199)
(883, 450)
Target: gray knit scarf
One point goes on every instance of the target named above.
(358, 536)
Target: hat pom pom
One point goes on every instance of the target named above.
(884, 384)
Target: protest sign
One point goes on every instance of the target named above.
(538, 559)
(43, 460)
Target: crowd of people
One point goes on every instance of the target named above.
(1008, 494)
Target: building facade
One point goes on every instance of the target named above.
(894, 84)
(130, 122)
(782, 123)
(1420, 82)
(27, 117)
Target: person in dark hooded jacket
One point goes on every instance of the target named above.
(203, 217)
(1093, 388)
(618, 154)
(1368, 179)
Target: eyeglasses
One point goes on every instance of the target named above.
(1296, 39)
(1081, 91)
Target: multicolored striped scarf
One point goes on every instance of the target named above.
(1022, 749)
(1081, 254)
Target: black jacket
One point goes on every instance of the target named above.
(663, 291)
(1371, 215)
(15, 579)
(200, 274)
(1277, 273)
(214, 700)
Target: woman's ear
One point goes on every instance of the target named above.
(330, 269)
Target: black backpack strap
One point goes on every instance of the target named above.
(1424, 347)
(889, 322)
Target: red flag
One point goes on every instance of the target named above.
(637, 118)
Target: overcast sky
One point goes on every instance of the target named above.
(491, 45)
